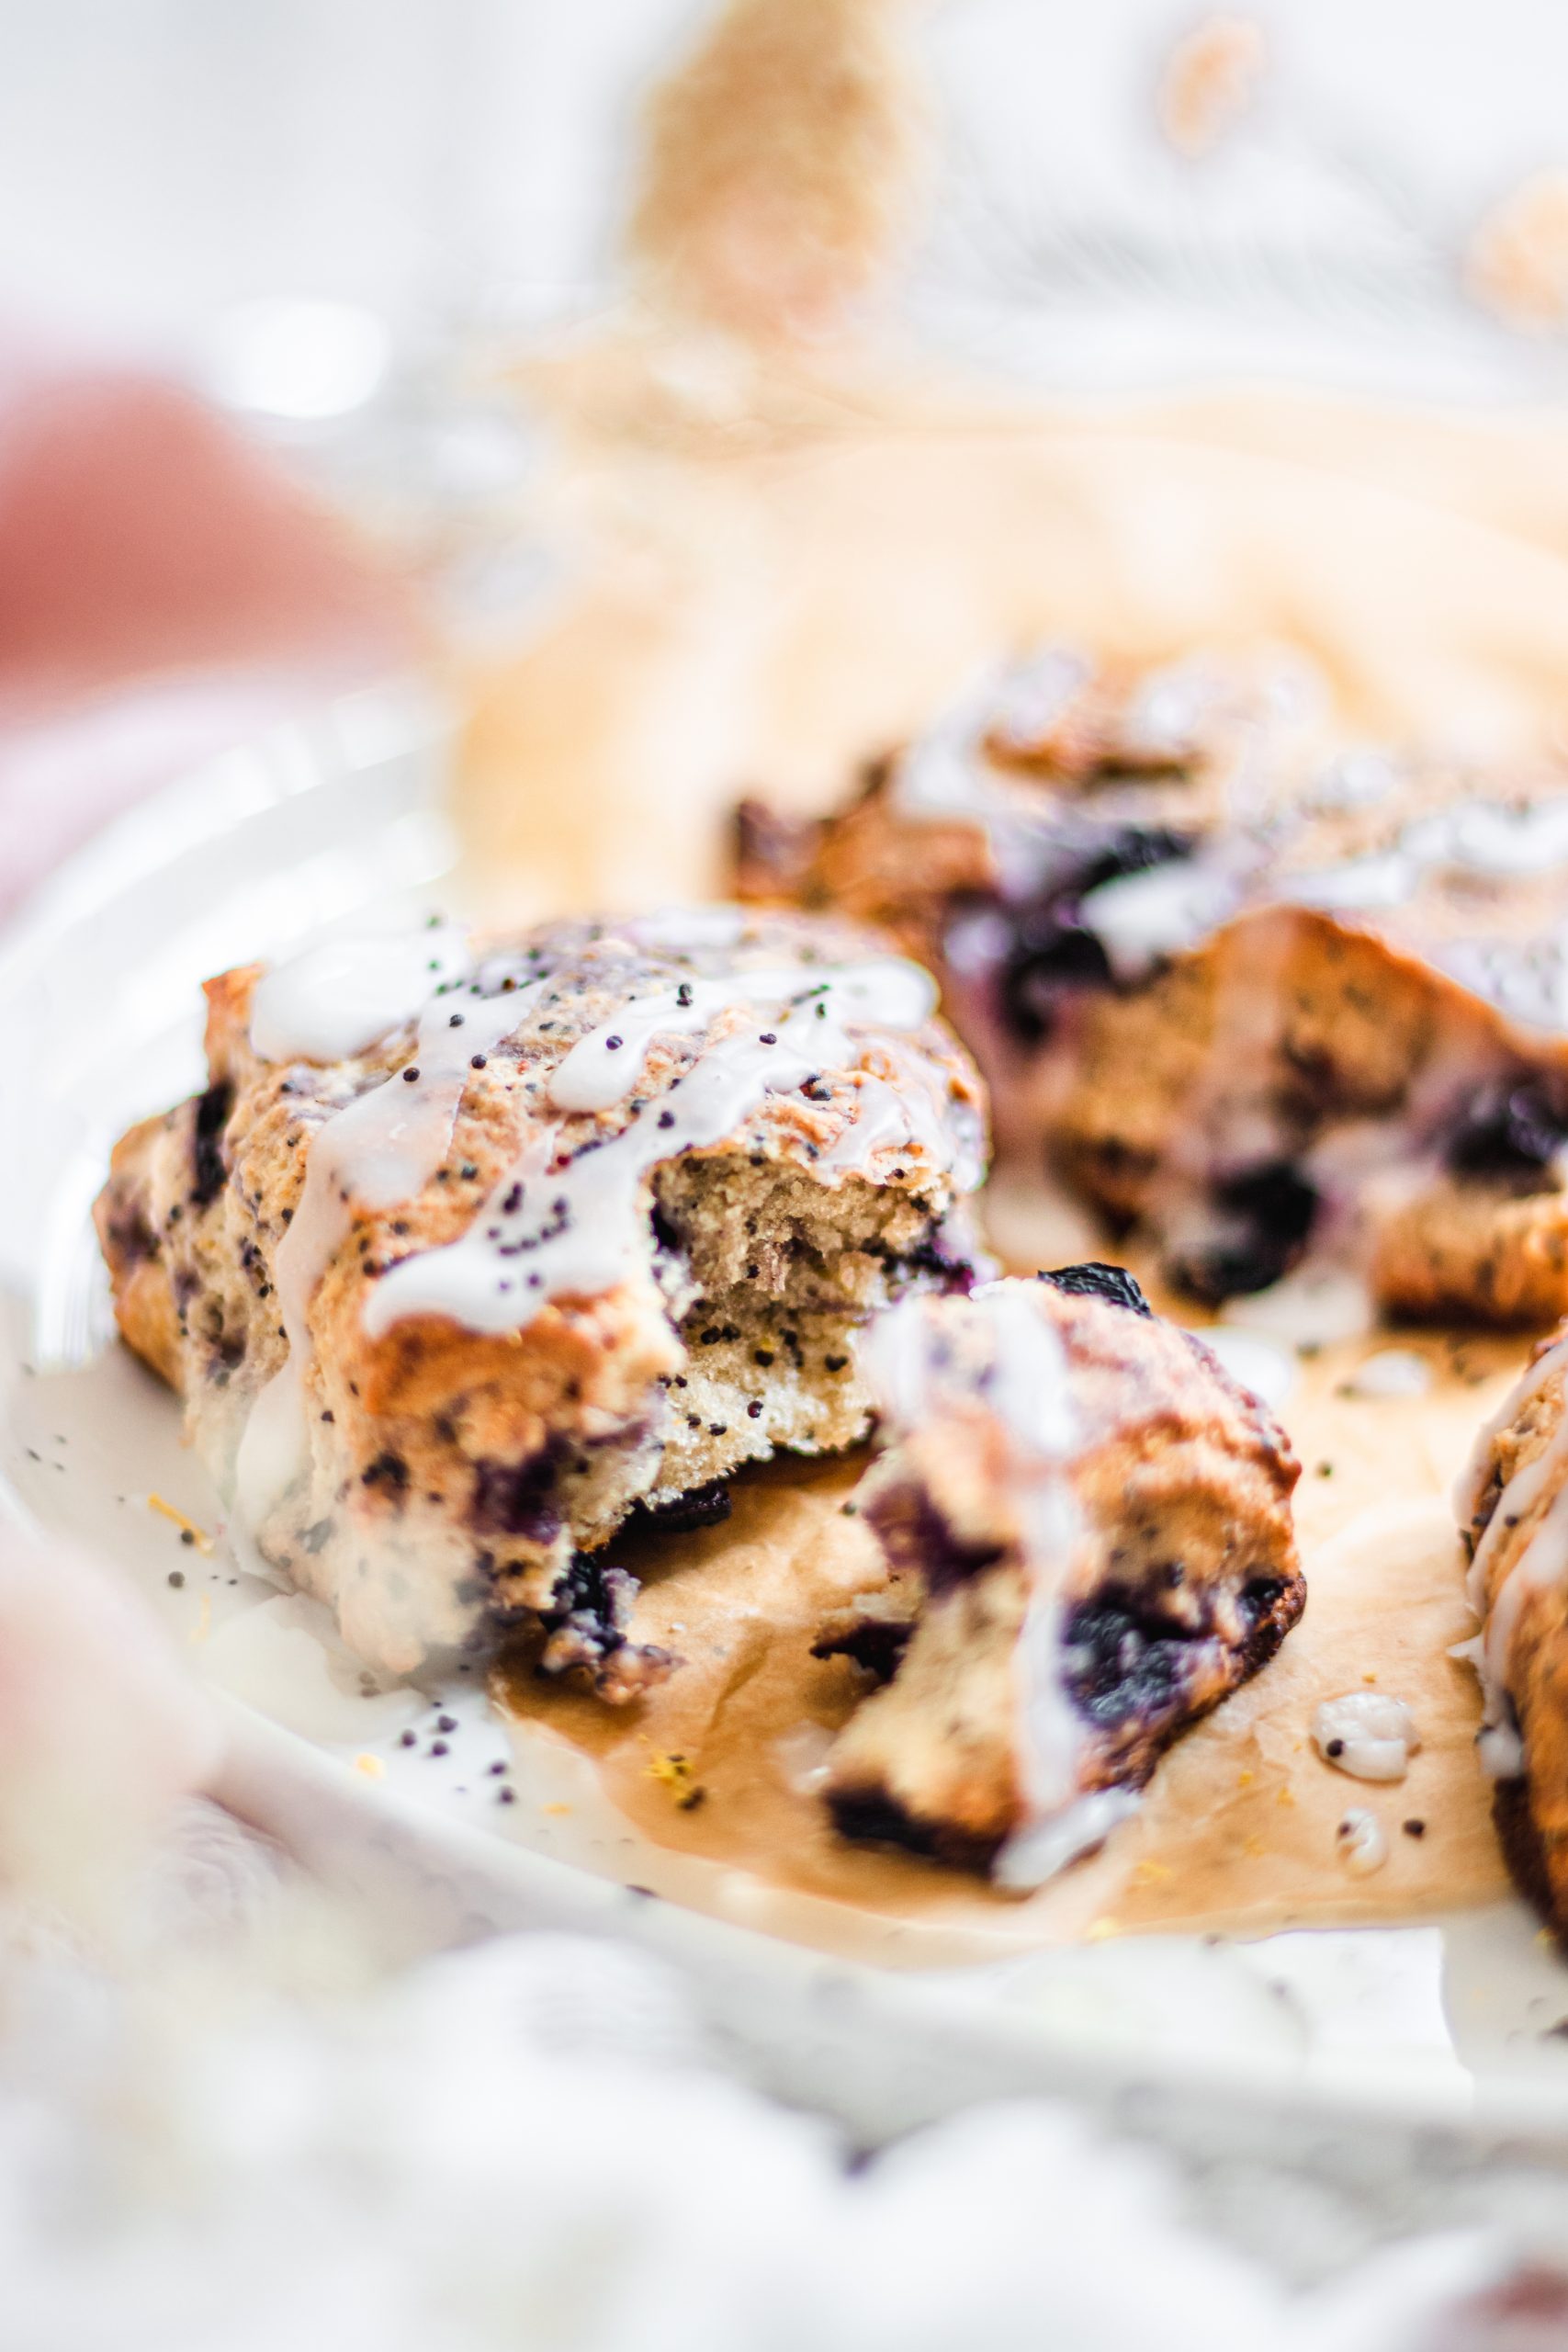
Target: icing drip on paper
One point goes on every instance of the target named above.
(1366, 1733)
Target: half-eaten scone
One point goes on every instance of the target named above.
(469, 1251)
(1088, 1533)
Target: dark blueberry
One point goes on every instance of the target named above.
(389, 1471)
(873, 1815)
(704, 1506)
(519, 1497)
(1052, 949)
(1095, 1280)
(1122, 1661)
(1264, 1218)
(916, 1538)
(208, 1170)
(1510, 1135)
(875, 1644)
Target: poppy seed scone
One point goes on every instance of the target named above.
(1512, 1504)
(1088, 1529)
(469, 1251)
(1264, 1002)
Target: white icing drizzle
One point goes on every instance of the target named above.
(1362, 1842)
(603, 1066)
(1027, 699)
(1367, 1734)
(1142, 919)
(581, 1228)
(339, 997)
(1474, 837)
(1543, 1561)
(1358, 779)
(377, 1153)
(927, 1360)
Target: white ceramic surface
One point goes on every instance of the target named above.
(1437, 2035)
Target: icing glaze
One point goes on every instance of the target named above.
(578, 1226)
(1141, 920)
(1367, 1734)
(1362, 1842)
(998, 1354)
(377, 1153)
(1543, 1560)
(603, 1066)
(340, 997)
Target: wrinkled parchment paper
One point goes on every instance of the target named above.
(705, 1790)
(764, 603)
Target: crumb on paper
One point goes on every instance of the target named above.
(1210, 81)
(554, 1808)
(1097, 1931)
(189, 1531)
(203, 1625)
(675, 1773)
(371, 1765)
(1244, 1779)
(1515, 265)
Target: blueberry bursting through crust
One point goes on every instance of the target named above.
(473, 1254)
(1088, 1537)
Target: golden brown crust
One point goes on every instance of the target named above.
(1180, 1578)
(1513, 1533)
(499, 1454)
(1335, 977)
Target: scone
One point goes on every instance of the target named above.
(1513, 1511)
(1262, 1002)
(1088, 1530)
(469, 1251)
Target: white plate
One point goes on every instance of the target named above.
(1406, 2032)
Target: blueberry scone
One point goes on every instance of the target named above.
(1513, 1510)
(1087, 1531)
(468, 1253)
(1259, 1001)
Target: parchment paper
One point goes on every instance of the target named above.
(1237, 1830)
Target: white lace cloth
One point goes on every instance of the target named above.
(238, 2134)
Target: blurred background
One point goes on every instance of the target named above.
(451, 166)
(688, 395)
(700, 392)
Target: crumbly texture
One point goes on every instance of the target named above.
(1180, 1578)
(1530, 1806)
(1334, 1057)
(459, 1478)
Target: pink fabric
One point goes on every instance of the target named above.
(164, 590)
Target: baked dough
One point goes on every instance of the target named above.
(1513, 1510)
(1263, 1001)
(471, 1251)
(1088, 1530)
